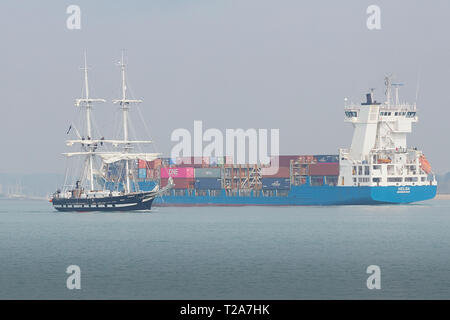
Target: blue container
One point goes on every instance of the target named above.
(142, 173)
(208, 183)
(276, 183)
(322, 158)
(147, 185)
(143, 186)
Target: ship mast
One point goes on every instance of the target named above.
(87, 103)
(125, 103)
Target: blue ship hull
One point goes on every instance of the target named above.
(310, 195)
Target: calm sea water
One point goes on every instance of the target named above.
(226, 252)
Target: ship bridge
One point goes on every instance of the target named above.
(379, 147)
(380, 125)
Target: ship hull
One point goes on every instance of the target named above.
(130, 202)
(311, 195)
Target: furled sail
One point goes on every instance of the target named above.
(114, 157)
(110, 157)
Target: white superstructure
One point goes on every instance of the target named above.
(379, 155)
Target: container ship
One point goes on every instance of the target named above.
(377, 168)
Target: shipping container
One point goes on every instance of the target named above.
(141, 164)
(317, 180)
(147, 185)
(276, 183)
(208, 183)
(213, 161)
(177, 172)
(207, 172)
(331, 180)
(327, 158)
(191, 162)
(184, 161)
(180, 183)
(283, 161)
(153, 164)
(151, 174)
(142, 173)
(324, 169)
(282, 172)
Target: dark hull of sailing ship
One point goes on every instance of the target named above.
(126, 202)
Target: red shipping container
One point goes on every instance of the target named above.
(141, 164)
(283, 161)
(194, 162)
(180, 183)
(154, 164)
(283, 172)
(324, 169)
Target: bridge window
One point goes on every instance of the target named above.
(411, 114)
(360, 170)
(366, 170)
(411, 179)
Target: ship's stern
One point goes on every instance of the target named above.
(403, 194)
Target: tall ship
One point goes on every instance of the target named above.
(90, 190)
(377, 168)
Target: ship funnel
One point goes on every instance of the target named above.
(369, 99)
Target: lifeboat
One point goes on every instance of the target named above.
(424, 164)
(380, 160)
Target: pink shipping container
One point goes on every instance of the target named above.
(324, 169)
(177, 172)
(283, 172)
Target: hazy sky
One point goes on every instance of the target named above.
(232, 64)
